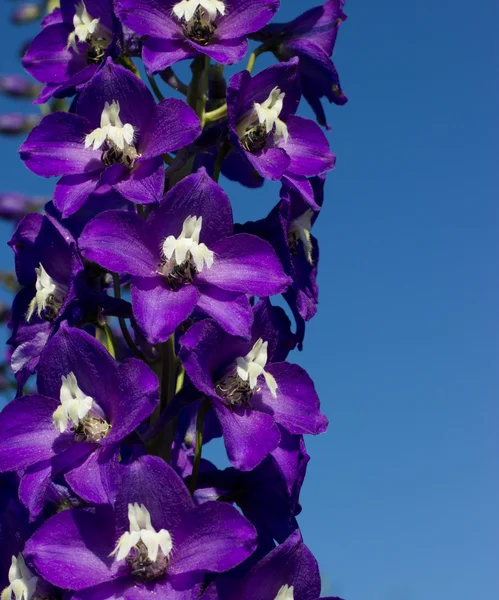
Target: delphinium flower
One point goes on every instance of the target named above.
(250, 393)
(311, 37)
(85, 406)
(116, 138)
(73, 43)
(104, 487)
(155, 543)
(264, 128)
(176, 30)
(184, 257)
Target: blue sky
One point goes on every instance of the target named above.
(401, 498)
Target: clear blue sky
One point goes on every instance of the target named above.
(402, 495)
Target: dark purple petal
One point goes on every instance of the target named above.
(159, 54)
(246, 16)
(173, 126)
(72, 549)
(150, 17)
(48, 55)
(159, 310)
(249, 435)
(113, 82)
(196, 195)
(297, 405)
(120, 242)
(56, 147)
(95, 480)
(153, 483)
(28, 433)
(307, 147)
(231, 310)
(144, 183)
(226, 52)
(247, 264)
(73, 350)
(72, 191)
(137, 399)
(270, 163)
(213, 537)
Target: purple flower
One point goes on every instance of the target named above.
(265, 129)
(251, 392)
(311, 37)
(289, 572)
(156, 544)
(17, 86)
(16, 123)
(14, 206)
(71, 46)
(85, 406)
(183, 257)
(179, 29)
(116, 138)
(287, 228)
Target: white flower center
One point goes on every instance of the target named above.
(22, 582)
(75, 404)
(86, 28)
(263, 119)
(111, 130)
(48, 293)
(141, 530)
(251, 366)
(187, 245)
(186, 9)
(285, 593)
(300, 230)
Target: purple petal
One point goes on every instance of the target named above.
(72, 549)
(48, 56)
(213, 537)
(145, 182)
(307, 147)
(73, 350)
(230, 309)
(226, 52)
(196, 195)
(136, 401)
(113, 82)
(158, 54)
(297, 405)
(152, 17)
(28, 433)
(96, 478)
(56, 147)
(249, 435)
(120, 242)
(153, 483)
(173, 126)
(270, 163)
(159, 310)
(247, 264)
(246, 16)
(72, 191)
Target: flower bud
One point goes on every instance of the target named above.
(17, 86)
(26, 13)
(16, 123)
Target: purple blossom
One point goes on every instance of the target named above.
(17, 86)
(14, 206)
(250, 389)
(265, 129)
(115, 139)
(311, 37)
(85, 406)
(185, 257)
(176, 30)
(72, 45)
(155, 543)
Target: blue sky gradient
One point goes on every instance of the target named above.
(402, 494)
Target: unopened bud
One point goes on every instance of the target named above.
(16, 123)
(26, 13)
(18, 86)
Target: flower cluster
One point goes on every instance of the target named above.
(143, 325)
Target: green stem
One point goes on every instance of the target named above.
(155, 88)
(128, 63)
(222, 153)
(124, 329)
(215, 115)
(109, 339)
(203, 409)
(253, 56)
